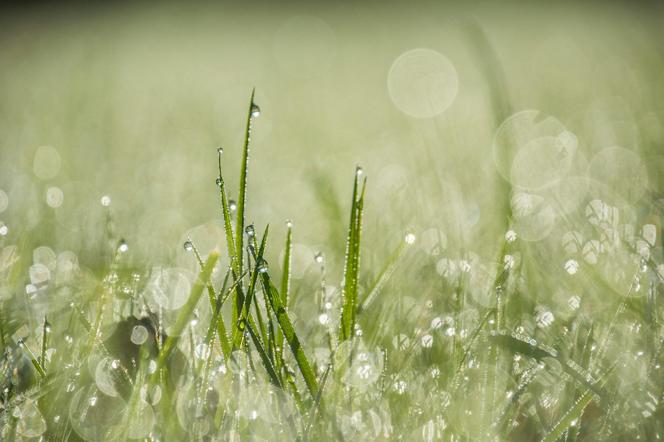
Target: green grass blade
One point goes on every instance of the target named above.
(285, 288)
(267, 363)
(238, 333)
(187, 310)
(242, 195)
(286, 325)
(384, 275)
(352, 260)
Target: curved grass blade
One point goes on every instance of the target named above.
(188, 309)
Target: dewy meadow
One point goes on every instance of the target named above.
(432, 224)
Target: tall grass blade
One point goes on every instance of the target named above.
(352, 261)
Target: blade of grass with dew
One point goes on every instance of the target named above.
(242, 195)
(46, 330)
(537, 351)
(215, 305)
(238, 332)
(263, 355)
(352, 260)
(187, 309)
(286, 325)
(384, 275)
(285, 288)
(574, 413)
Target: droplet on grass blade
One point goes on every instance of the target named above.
(410, 238)
(318, 257)
(255, 110)
(188, 246)
(571, 266)
(105, 200)
(139, 335)
(250, 231)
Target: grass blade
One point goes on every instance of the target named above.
(188, 309)
(352, 261)
(274, 300)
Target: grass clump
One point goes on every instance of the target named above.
(131, 353)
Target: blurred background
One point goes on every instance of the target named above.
(131, 102)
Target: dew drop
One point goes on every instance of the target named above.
(188, 246)
(410, 238)
(510, 236)
(427, 341)
(571, 266)
(318, 257)
(123, 247)
(105, 200)
(323, 318)
(139, 335)
(262, 266)
(220, 150)
(289, 223)
(359, 171)
(255, 110)
(232, 205)
(218, 181)
(4, 230)
(249, 230)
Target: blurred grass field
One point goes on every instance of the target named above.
(528, 174)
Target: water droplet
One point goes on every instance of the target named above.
(323, 318)
(262, 266)
(509, 262)
(249, 230)
(359, 171)
(188, 246)
(289, 223)
(139, 335)
(47, 326)
(571, 266)
(255, 110)
(410, 238)
(4, 230)
(69, 340)
(427, 341)
(152, 366)
(436, 323)
(54, 197)
(232, 205)
(123, 247)
(574, 302)
(510, 236)
(400, 386)
(544, 318)
(218, 181)
(318, 257)
(92, 401)
(105, 200)
(115, 364)
(220, 150)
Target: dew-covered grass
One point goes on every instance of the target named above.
(489, 272)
